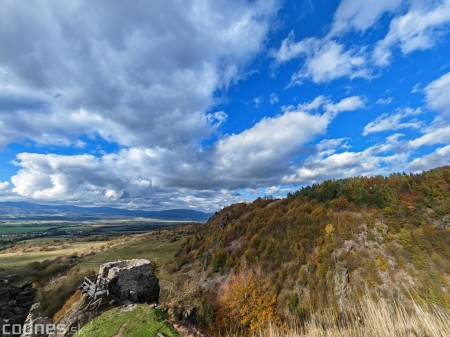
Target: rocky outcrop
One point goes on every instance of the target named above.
(131, 280)
(16, 299)
(128, 280)
(36, 325)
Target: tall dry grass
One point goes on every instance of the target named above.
(372, 319)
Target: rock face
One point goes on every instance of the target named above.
(36, 325)
(131, 280)
(15, 302)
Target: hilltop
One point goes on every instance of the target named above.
(325, 247)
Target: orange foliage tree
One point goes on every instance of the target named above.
(248, 300)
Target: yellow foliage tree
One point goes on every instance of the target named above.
(249, 301)
(329, 229)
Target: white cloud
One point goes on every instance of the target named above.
(330, 162)
(132, 178)
(273, 98)
(361, 14)
(384, 101)
(393, 122)
(265, 150)
(257, 101)
(130, 74)
(433, 135)
(323, 60)
(347, 104)
(418, 29)
(3, 185)
(161, 177)
(438, 95)
(440, 157)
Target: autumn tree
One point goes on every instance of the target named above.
(248, 300)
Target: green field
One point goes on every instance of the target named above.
(9, 229)
(98, 226)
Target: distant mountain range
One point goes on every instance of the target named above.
(26, 210)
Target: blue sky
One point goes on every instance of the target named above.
(199, 104)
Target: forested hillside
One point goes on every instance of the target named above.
(325, 246)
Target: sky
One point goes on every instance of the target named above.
(199, 104)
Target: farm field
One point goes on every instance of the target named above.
(92, 251)
(27, 252)
(18, 228)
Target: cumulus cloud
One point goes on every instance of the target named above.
(323, 59)
(132, 178)
(418, 29)
(393, 122)
(256, 157)
(141, 79)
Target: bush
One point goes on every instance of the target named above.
(247, 300)
(218, 261)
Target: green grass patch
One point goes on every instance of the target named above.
(144, 321)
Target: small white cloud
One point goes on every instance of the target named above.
(384, 101)
(321, 102)
(323, 60)
(3, 185)
(347, 104)
(257, 101)
(217, 118)
(273, 98)
(392, 122)
(273, 190)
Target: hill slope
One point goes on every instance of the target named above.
(330, 244)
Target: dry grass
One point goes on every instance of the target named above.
(373, 319)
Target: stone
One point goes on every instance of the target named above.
(341, 280)
(35, 325)
(15, 300)
(131, 280)
(25, 304)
